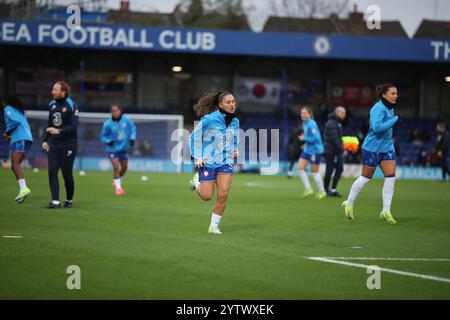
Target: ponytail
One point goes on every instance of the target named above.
(209, 103)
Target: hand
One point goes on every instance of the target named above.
(301, 137)
(236, 153)
(345, 153)
(45, 146)
(439, 153)
(199, 163)
(132, 142)
(53, 131)
(111, 143)
(6, 137)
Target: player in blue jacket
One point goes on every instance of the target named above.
(214, 146)
(378, 149)
(119, 134)
(312, 154)
(18, 134)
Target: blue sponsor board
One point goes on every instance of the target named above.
(143, 165)
(419, 173)
(117, 37)
(352, 171)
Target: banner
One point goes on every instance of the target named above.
(353, 94)
(258, 90)
(271, 44)
(267, 91)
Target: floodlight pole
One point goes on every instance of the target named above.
(81, 106)
(81, 98)
(285, 108)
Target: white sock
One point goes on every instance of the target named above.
(305, 179)
(197, 184)
(22, 184)
(118, 183)
(215, 220)
(388, 193)
(356, 188)
(55, 202)
(333, 190)
(318, 181)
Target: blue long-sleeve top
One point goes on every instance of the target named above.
(312, 137)
(379, 137)
(119, 131)
(214, 141)
(17, 126)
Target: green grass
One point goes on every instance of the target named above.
(152, 243)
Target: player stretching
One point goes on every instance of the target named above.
(18, 134)
(214, 145)
(119, 134)
(312, 153)
(61, 143)
(378, 149)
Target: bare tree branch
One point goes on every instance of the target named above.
(309, 8)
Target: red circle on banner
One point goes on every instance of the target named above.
(259, 90)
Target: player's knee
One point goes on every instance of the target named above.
(222, 195)
(14, 166)
(206, 196)
(53, 170)
(68, 176)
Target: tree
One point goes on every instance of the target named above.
(309, 8)
(214, 14)
(194, 12)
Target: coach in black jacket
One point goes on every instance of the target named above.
(333, 150)
(442, 148)
(61, 143)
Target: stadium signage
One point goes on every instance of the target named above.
(441, 49)
(304, 45)
(103, 36)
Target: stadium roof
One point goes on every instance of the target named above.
(354, 25)
(433, 29)
(143, 18)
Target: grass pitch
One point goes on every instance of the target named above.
(153, 243)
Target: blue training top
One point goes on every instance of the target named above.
(213, 141)
(313, 140)
(120, 131)
(17, 126)
(379, 137)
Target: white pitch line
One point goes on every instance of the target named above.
(365, 266)
(13, 237)
(389, 259)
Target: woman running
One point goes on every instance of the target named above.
(18, 134)
(214, 145)
(312, 154)
(378, 150)
(119, 134)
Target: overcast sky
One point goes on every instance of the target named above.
(409, 12)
